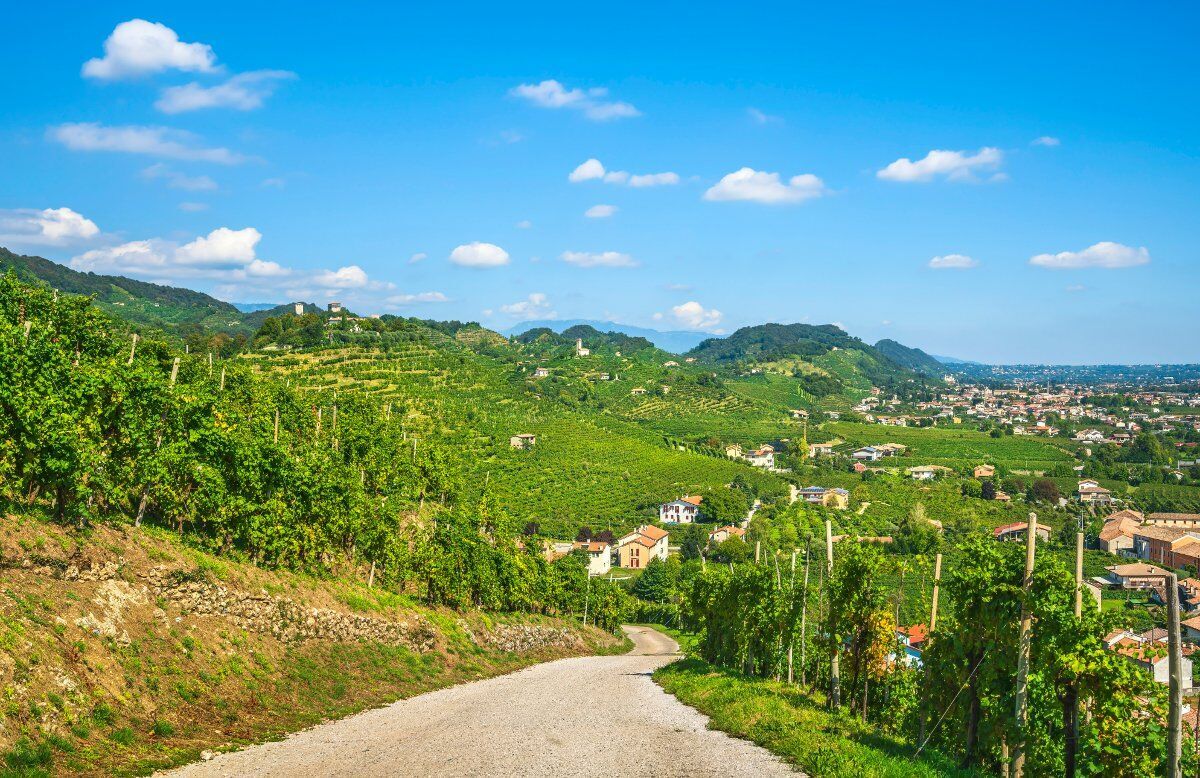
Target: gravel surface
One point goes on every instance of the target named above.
(584, 716)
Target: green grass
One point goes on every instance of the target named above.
(791, 723)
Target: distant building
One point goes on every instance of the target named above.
(541, 372)
(523, 441)
(1016, 531)
(820, 449)
(599, 556)
(335, 307)
(984, 471)
(685, 510)
(721, 534)
(580, 351)
(1117, 535)
(762, 457)
(913, 638)
(1092, 493)
(636, 549)
(1136, 576)
(1148, 650)
(298, 308)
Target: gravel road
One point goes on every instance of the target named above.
(584, 716)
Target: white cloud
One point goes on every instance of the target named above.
(1105, 254)
(479, 254)
(587, 171)
(601, 259)
(951, 165)
(191, 207)
(953, 262)
(1076, 288)
(761, 187)
(177, 180)
(138, 47)
(418, 298)
(535, 306)
(348, 277)
(273, 183)
(695, 316)
(418, 257)
(592, 103)
(759, 117)
(600, 211)
(223, 254)
(592, 170)
(133, 139)
(45, 227)
(243, 92)
(524, 224)
(1045, 140)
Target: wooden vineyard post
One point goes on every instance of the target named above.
(1021, 693)
(792, 642)
(174, 370)
(1079, 574)
(210, 364)
(1175, 687)
(835, 679)
(757, 548)
(222, 378)
(933, 609)
(318, 422)
(28, 327)
(333, 422)
(804, 619)
(276, 439)
(132, 349)
(371, 576)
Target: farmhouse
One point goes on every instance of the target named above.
(685, 510)
(819, 495)
(1177, 520)
(721, 534)
(1117, 535)
(926, 472)
(820, 449)
(867, 454)
(913, 638)
(523, 441)
(984, 471)
(1092, 493)
(541, 372)
(762, 457)
(599, 556)
(636, 549)
(1148, 650)
(1136, 576)
(1016, 531)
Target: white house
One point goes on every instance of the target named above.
(541, 372)
(580, 351)
(599, 556)
(1148, 650)
(867, 453)
(762, 457)
(685, 510)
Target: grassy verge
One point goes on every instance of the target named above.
(791, 723)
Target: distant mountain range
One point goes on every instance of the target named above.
(675, 341)
(954, 360)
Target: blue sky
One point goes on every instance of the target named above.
(780, 164)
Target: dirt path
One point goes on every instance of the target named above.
(584, 716)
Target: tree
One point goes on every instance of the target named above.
(656, 582)
(1045, 490)
(733, 550)
(915, 534)
(694, 541)
(987, 490)
(724, 506)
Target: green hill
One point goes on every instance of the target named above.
(172, 309)
(911, 358)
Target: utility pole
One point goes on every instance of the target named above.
(835, 676)
(1079, 570)
(1021, 695)
(933, 609)
(1175, 713)
(174, 370)
(757, 549)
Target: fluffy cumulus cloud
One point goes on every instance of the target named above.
(600, 211)
(1105, 254)
(949, 165)
(45, 227)
(760, 187)
(593, 170)
(223, 254)
(953, 262)
(535, 306)
(479, 254)
(695, 316)
(243, 92)
(420, 256)
(600, 259)
(1045, 140)
(134, 139)
(592, 103)
(349, 277)
(138, 47)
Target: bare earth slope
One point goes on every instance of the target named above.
(584, 716)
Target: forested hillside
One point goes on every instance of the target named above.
(172, 309)
(911, 358)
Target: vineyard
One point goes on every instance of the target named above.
(955, 447)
